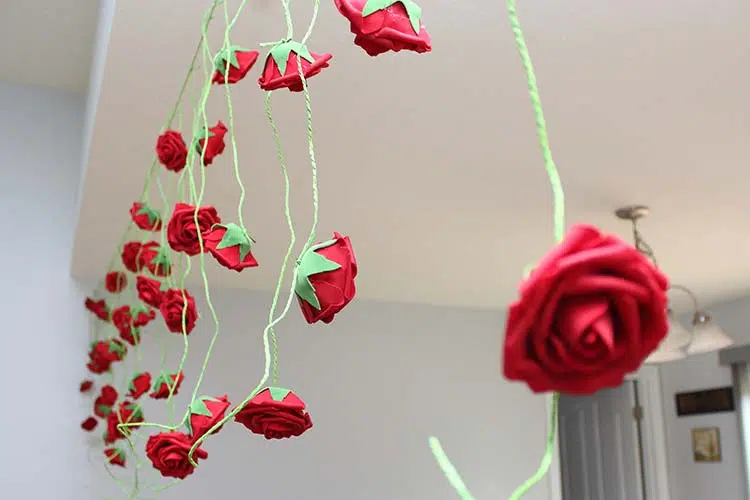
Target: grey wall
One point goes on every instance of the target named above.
(44, 327)
(705, 481)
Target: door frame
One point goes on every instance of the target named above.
(654, 439)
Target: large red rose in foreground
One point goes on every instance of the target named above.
(589, 314)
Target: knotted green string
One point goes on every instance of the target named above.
(559, 230)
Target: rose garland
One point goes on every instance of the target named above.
(587, 315)
(141, 284)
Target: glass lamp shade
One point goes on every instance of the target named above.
(671, 348)
(707, 335)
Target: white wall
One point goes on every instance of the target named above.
(44, 328)
(705, 481)
(378, 382)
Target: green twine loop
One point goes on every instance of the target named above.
(559, 230)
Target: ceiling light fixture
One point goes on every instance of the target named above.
(704, 336)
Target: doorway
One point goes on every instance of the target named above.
(602, 445)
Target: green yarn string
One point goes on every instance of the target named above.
(559, 231)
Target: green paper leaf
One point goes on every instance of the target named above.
(224, 56)
(412, 10)
(153, 215)
(198, 407)
(236, 236)
(278, 393)
(309, 264)
(116, 347)
(161, 261)
(280, 53)
(104, 409)
(139, 309)
(203, 133)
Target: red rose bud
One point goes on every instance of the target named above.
(386, 25)
(233, 64)
(175, 312)
(131, 256)
(115, 282)
(230, 245)
(89, 424)
(206, 412)
(171, 150)
(589, 314)
(169, 454)
(281, 69)
(155, 259)
(98, 308)
(276, 413)
(182, 233)
(213, 138)
(164, 383)
(104, 402)
(103, 354)
(145, 217)
(86, 386)
(325, 279)
(149, 291)
(139, 385)
(115, 456)
(127, 413)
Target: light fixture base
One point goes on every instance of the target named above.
(632, 212)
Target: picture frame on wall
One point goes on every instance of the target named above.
(706, 445)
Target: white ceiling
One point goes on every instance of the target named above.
(47, 42)
(430, 162)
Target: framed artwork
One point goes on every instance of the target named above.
(706, 444)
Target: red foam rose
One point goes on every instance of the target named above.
(275, 413)
(589, 314)
(164, 384)
(272, 77)
(205, 413)
(171, 150)
(245, 60)
(149, 291)
(227, 244)
(386, 29)
(182, 232)
(98, 308)
(140, 384)
(214, 144)
(175, 305)
(115, 456)
(169, 454)
(145, 217)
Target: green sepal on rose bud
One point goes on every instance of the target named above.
(198, 407)
(278, 393)
(235, 236)
(104, 409)
(280, 53)
(310, 263)
(153, 215)
(116, 348)
(161, 261)
(412, 10)
(227, 55)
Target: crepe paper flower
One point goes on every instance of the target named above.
(588, 315)
(145, 217)
(89, 424)
(105, 401)
(149, 291)
(103, 353)
(178, 306)
(386, 25)
(156, 259)
(172, 150)
(169, 454)
(115, 282)
(231, 246)
(139, 385)
(131, 256)
(115, 456)
(276, 413)
(98, 308)
(281, 69)
(127, 413)
(325, 279)
(205, 412)
(164, 385)
(86, 386)
(240, 62)
(183, 234)
(213, 138)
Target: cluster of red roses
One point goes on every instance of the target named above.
(324, 276)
